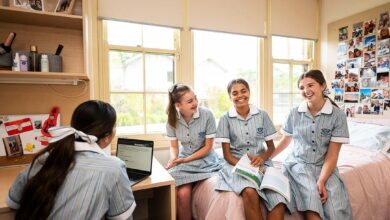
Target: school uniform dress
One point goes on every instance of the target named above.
(192, 137)
(312, 136)
(246, 136)
(97, 187)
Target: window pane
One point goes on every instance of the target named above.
(297, 49)
(125, 71)
(156, 116)
(213, 64)
(130, 113)
(124, 33)
(158, 37)
(159, 70)
(281, 79)
(297, 99)
(297, 71)
(280, 47)
(281, 108)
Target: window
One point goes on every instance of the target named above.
(219, 58)
(291, 58)
(141, 68)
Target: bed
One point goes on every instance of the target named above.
(363, 164)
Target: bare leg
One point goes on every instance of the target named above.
(184, 211)
(251, 204)
(310, 215)
(277, 213)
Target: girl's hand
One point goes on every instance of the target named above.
(171, 163)
(322, 191)
(256, 160)
(180, 160)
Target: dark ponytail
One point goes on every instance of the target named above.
(175, 94)
(318, 77)
(39, 194)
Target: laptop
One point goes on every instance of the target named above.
(138, 157)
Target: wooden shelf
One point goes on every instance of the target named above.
(30, 17)
(7, 76)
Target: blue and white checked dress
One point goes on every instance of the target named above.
(246, 136)
(312, 136)
(96, 188)
(192, 137)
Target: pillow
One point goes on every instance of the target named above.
(368, 136)
(377, 120)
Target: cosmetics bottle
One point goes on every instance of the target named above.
(16, 64)
(44, 63)
(6, 46)
(23, 63)
(34, 62)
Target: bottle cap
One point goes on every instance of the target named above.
(33, 48)
(44, 56)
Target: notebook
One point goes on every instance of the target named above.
(138, 157)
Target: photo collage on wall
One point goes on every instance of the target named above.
(361, 83)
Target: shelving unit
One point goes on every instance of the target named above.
(8, 76)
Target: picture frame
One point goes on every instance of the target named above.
(64, 6)
(36, 5)
(13, 146)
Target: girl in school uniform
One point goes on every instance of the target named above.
(318, 128)
(73, 178)
(194, 159)
(243, 130)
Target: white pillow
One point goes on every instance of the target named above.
(368, 136)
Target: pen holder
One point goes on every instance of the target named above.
(6, 61)
(55, 62)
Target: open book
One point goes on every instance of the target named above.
(273, 178)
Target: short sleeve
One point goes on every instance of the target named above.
(340, 133)
(121, 203)
(171, 132)
(15, 192)
(269, 127)
(287, 127)
(223, 130)
(210, 127)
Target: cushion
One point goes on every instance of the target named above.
(368, 136)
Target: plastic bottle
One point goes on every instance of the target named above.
(44, 63)
(23, 63)
(34, 62)
(16, 64)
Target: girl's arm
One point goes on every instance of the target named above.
(202, 152)
(327, 169)
(283, 143)
(228, 155)
(174, 151)
(259, 160)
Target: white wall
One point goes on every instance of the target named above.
(333, 10)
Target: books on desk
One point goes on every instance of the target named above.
(273, 178)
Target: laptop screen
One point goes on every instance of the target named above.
(137, 154)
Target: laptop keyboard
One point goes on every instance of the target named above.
(135, 176)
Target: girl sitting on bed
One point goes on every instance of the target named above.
(195, 159)
(318, 128)
(243, 130)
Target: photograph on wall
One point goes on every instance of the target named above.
(352, 75)
(352, 87)
(340, 64)
(384, 47)
(376, 107)
(343, 33)
(357, 30)
(384, 33)
(354, 63)
(337, 84)
(368, 82)
(382, 80)
(383, 64)
(386, 93)
(386, 105)
(13, 146)
(339, 95)
(369, 43)
(341, 50)
(369, 59)
(369, 27)
(349, 110)
(383, 20)
(351, 97)
(377, 94)
(365, 95)
(368, 72)
(339, 74)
